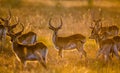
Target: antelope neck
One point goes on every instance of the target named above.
(54, 38)
(98, 39)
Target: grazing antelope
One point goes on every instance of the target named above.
(65, 43)
(25, 52)
(106, 46)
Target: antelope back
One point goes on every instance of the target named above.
(28, 38)
(111, 30)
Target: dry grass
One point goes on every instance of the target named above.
(75, 20)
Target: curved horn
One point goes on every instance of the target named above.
(100, 14)
(60, 24)
(53, 26)
(9, 17)
(6, 20)
(91, 26)
(99, 23)
(50, 23)
(100, 10)
(17, 22)
(20, 32)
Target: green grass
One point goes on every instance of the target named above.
(75, 20)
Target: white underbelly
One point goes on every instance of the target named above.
(70, 46)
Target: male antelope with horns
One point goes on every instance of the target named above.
(67, 43)
(28, 52)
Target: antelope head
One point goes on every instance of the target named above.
(95, 33)
(98, 23)
(98, 37)
(10, 28)
(14, 35)
(6, 20)
(95, 30)
(55, 29)
(97, 26)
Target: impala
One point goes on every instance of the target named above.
(28, 38)
(28, 52)
(65, 43)
(106, 46)
(110, 30)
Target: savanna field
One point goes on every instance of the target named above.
(76, 19)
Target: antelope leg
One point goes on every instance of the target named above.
(60, 53)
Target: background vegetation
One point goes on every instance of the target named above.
(77, 18)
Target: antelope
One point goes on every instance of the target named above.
(28, 38)
(67, 43)
(106, 46)
(28, 52)
(110, 30)
(3, 30)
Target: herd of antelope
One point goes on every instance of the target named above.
(27, 48)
